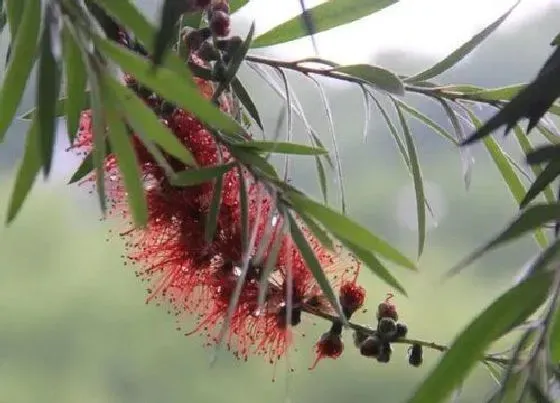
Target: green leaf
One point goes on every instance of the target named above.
(169, 85)
(129, 16)
(85, 168)
(317, 231)
(245, 99)
(48, 88)
(344, 228)
(235, 5)
(76, 82)
(555, 338)
(380, 78)
(514, 184)
(212, 217)
(376, 267)
(542, 182)
(129, 166)
(60, 107)
(322, 179)
(527, 149)
(417, 179)
(170, 14)
(326, 16)
(253, 160)
(282, 147)
(143, 120)
(503, 314)
(191, 177)
(27, 172)
(530, 219)
(415, 113)
(314, 265)
(456, 56)
(99, 138)
(20, 64)
(14, 12)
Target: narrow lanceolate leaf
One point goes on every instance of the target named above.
(170, 14)
(20, 64)
(314, 266)
(344, 228)
(282, 148)
(48, 87)
(416, 114)
(235, 5)
(417, 179)
(456, 56)
(245, 99)
(14, 13)
(532, 218)
(212, 217)
(542, 182)
(60, 108)
(99, 139)
(76, 81)
(326, 16)
(191, 177)
(527, 149)
(512, 180)
(84, 169)
(378, 77)
(128, 163)
(171, 86)
(317, 230)
(503, 314)
(143, 120)
(27, 172)
(130, 17)
(555, 337)
(376, 267)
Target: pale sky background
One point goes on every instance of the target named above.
(433, 27)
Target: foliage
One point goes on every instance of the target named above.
(75, 47)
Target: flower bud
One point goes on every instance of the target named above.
(415, 355)
(387, 329)
(351, 297)
(384, 354)
(387, 309)
(402, 330)
(219, 23)
(371, 346)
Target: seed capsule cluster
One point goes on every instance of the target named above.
(377, 343)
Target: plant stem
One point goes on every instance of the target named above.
(431, 345)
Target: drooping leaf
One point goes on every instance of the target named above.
(99, 151)
(171, 86)
(143, 120)
(245, 99)
(528, 149)
(530, 219)
(255, 161)
(376, 267)
(48, 88)
(309, 24)
(14, 14)
(282, 147)
(212, 217)
(314, 265)
(27, 172)
(171, 12)
(456, 56)
(60, 108)
(20, 64)
(555, 338)
(127, 161)
(86, 166)
(317, 230)
(546, 153)
(415, 113)
(417, 179)
(326, 16)
(503, 314)
(76, 82)
(344, 228)
(379, 77)
(541, 182)
(514, 184)
(191, 177)
(532, 102)
(130, 17)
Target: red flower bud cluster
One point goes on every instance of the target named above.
(191, 276)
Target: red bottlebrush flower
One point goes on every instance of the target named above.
(330, 345)
(352, 297)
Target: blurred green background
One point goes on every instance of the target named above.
(74, 326)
